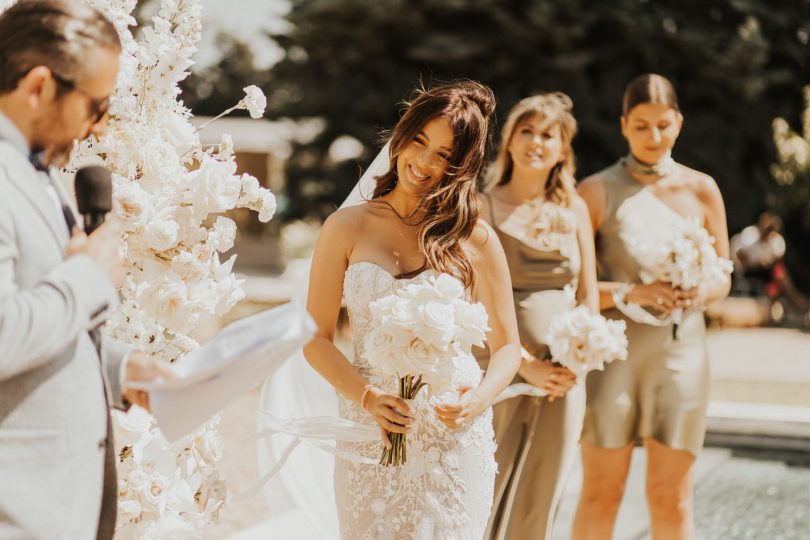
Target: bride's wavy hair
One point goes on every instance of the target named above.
(549, 109)
(447, 214)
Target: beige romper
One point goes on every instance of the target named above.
(661, 391)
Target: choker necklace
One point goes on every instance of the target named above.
(661, 168)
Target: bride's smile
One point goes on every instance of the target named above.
(423, 161)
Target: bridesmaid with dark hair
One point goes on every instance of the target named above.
(544, 228)
(659, 396)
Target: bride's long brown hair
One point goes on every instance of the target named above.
(447, 214)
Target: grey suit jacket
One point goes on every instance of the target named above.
(53, 386)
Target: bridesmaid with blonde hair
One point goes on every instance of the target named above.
(659, 395)
(546, 233)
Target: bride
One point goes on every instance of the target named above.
(422, 217)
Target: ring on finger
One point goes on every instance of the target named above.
(660, 300)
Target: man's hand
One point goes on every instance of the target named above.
(144, 367)
(105, 246)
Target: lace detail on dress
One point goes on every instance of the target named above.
(445, 489)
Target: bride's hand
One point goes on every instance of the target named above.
(390, 411)
(543, 374)
(456, 415)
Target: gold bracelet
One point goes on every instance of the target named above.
(366, 390)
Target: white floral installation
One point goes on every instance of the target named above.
(168, 190)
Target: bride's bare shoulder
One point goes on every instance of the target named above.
(347, 220)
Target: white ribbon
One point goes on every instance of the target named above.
(316, 430)
(519, 389)
(637, 313)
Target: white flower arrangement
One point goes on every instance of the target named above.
(583, 341)
(175, 274)
(685, 259)
(163, 491)
(417, 333)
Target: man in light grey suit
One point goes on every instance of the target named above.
(58, 65)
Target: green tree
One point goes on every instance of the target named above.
(736, 64)
(215, 88)
(791, 194)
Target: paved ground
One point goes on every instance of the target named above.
(740, 494)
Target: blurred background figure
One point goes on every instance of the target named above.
(758, 252)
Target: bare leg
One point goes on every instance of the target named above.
(604, 473)
(669, 491)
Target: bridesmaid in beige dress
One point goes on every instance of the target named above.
(545, 230)
(659, 395)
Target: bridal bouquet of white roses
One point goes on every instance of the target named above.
(686, 259)
(583, 341)
(416, 335)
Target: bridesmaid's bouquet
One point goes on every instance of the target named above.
(686, 259)
(583, 341)
(416, 335)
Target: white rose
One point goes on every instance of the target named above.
(268, 209)
(129, 509)
(179, 133)
(167, 301)
(416, 358)
(449, 287)
(436, 324)
(162, 234)
(254, 101)
(472, 320)
(251, 190)
(131, 204)
(208, 446)
(223, 235)
(188, 267)
(136, 420)
(215, 187)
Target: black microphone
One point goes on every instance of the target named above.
(93, 195)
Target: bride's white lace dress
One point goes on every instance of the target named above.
(445, 489)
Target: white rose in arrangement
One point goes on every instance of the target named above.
(268, 208)
(470, 320)
(188, 267)
(216, 188)
(435, 324)
(251, 189)
(179, 132)
(131, 204)
(167, 300)
(162, 234)
(254, 101)
(223, 235)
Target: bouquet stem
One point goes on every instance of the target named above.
(397, 455)
(678, 318)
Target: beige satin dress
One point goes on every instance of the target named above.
(661, 391)
(537, 439)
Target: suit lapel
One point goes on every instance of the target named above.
(25, 178)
